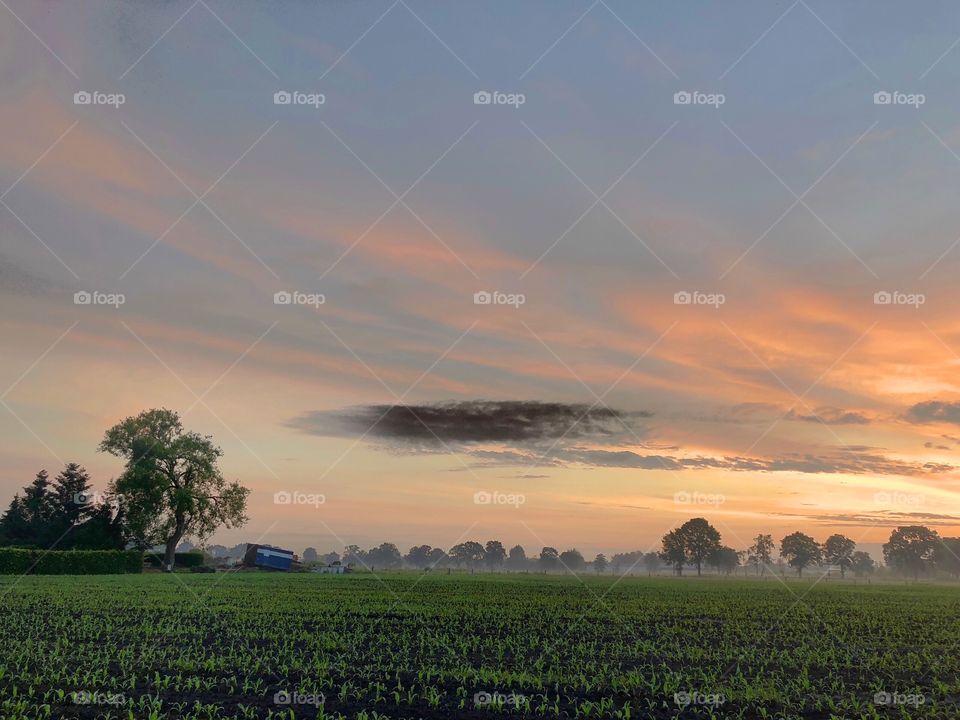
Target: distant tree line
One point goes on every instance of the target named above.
(911, 551)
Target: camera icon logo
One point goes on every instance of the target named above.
(282, 298)
(84, 498)
(282, 498)
(882, 97)
(682, 98)
(682, 298)
(482, 98)
(82, 298)
(681, 498)
(482, 497)
(82, 98)
(482, 297)
(282, 97)
(882, 297)
(281, 698)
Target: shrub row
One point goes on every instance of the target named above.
(21, 561)
(186, 559)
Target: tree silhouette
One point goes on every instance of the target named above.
(548, 558)
(572, 560)
(699, 539)
(494, 554)
(171, 487)
(911, 549)
(838, 550)
(761, 552)
(517, 559)
(800, 551)
(469, 553)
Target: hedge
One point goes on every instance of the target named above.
(20, 561)
(187, 559)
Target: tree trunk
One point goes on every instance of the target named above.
(169, 555)
(698, 568)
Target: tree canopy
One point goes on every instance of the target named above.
(171, 486)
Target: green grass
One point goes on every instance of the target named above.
(402, 646)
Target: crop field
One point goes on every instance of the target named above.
(248, 645)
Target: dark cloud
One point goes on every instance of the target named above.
(531, 435)
(934, 446)
(934, 411)
(470, 421)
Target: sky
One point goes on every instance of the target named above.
(556, 273)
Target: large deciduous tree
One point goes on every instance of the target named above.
(761, 552)
(572, 560)
(549, 557)
(911, 549)
(468, 553)
(494, 554)
(700, 539)
(171, 487)
(517, 559)
(800, 551)
(838, 550)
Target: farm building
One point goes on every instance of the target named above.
(334, 568)
(268, 557)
